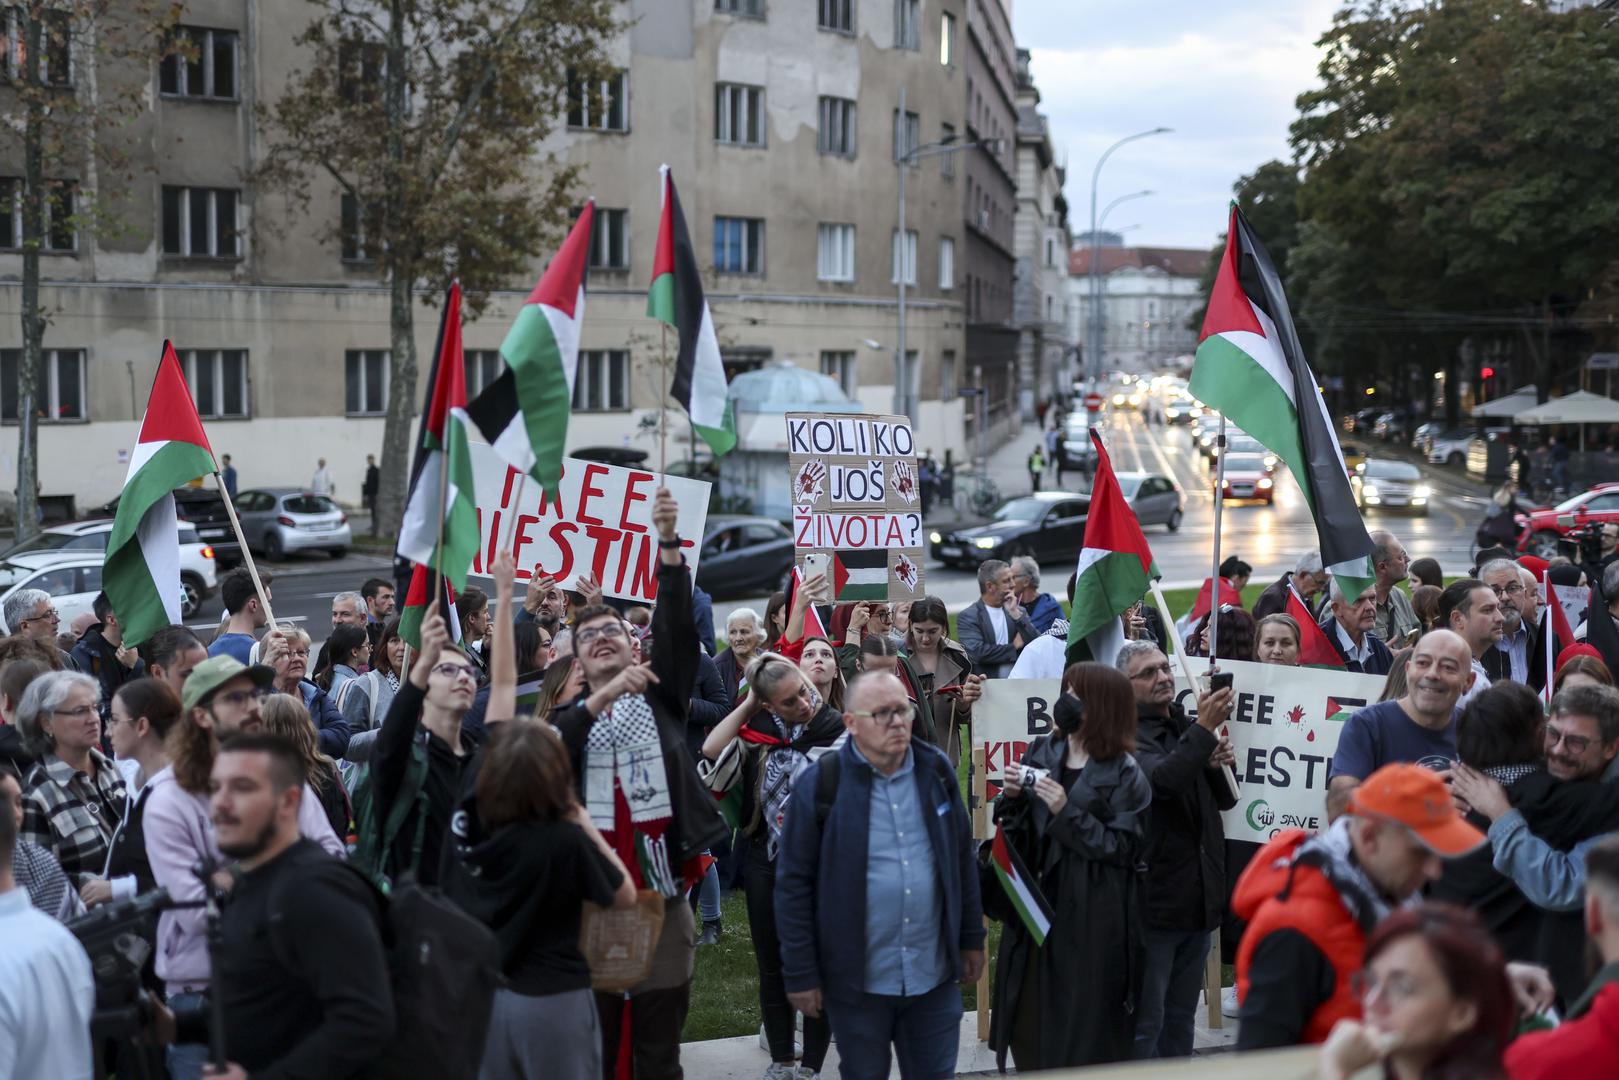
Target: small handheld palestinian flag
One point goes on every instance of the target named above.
(1021, 888)
(1314, 648)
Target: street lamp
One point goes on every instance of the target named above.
(904, 399)
(1095, 346)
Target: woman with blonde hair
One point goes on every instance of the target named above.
(291, 671)
(285, 715)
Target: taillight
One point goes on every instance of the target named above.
(342, 519)
(207, 552)
(287, 521)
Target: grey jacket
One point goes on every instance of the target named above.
(977, 636)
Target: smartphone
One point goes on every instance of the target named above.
(954, 688)
(815, 563)
(1221, 680)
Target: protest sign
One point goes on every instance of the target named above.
(1284, 729)
(600, 523)
(857, 503)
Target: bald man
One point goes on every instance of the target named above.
(1419, 728)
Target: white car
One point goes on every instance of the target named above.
(73, 582)
(59, 543)
(1449, 447)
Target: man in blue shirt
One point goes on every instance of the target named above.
(246, 614)
(877, 893)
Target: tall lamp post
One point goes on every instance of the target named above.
(904, 398)
(1094, 345)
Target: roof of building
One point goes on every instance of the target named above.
(1176, 262)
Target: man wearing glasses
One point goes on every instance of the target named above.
(1509, 658)
(31, 613)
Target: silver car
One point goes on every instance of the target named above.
(1154, 497)
(280, 521)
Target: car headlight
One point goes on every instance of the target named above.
(1118, 399)
(1172, 413)
(1264, 483)
(1369, 490)
(1270, 461)
(1422, 491)
(984, 542)
(934, 538)
(1135, 399)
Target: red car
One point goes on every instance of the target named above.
(1541, 528)
(1248, 477)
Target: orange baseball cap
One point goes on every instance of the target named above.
(1415, 797)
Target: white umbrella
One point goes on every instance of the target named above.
(1508, 404)
(1581, 407)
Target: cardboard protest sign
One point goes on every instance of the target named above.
(857, 503)
(601, 523)
(1284, 730)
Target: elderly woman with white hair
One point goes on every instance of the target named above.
(290, 671)
(745, 633)
(73, 795)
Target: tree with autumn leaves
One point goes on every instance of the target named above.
(426, 115)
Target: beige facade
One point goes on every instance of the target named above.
(284, 338)
(1045, 367)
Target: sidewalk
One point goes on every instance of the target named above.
(1006, 466)
(742, 1059)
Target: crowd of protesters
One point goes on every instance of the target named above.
(575, 780)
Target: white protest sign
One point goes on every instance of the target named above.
(1284, 730)
(600, 523)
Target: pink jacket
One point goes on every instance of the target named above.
(179, 832)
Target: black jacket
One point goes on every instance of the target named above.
(1273, 601)
(730, 677)
(710, 703)
(1498, 663)
(1186, 887)
(97, 657)
(1378, 663)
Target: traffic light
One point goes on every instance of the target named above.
(1487, 373)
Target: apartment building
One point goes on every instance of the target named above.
(1041, 239)
(779, 118)
(1149, 295)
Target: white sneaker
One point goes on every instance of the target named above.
(1228, 1003)
(778, 1071)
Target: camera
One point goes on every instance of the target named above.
(1028, 776)
(118, 938)
(1583, 544)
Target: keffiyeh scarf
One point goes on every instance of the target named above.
(624, 759)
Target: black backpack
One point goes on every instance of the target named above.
(372, 851)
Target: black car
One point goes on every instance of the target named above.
(744, 555)
(204, 508)
(1048, 525)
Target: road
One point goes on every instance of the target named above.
(1269, 537)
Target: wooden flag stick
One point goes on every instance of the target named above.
(511, 523)
(663, 400)
(247, 553)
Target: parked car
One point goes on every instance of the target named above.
(63, 543)
(1449, 447)
(1361, 421)
(1155, 498)
(204, 508)
(744, 554)
(1423, 434)
(1247, 477)
(1390, 485)
(280, 521)
(1391, 426)
(1542, 527)
(1047, 525)
(72, 583)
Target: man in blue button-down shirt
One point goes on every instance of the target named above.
(887, 854)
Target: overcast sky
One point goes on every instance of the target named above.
(1223, 75)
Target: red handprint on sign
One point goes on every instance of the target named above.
(906, 571)
(903, 481)
(809, 483)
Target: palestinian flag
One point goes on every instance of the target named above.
(1021, 888)
(418, 595)
(1314, 648)
(1115, 566)
(524, 413)
(1251, 369)
(142, 572)
(1340, 709)
(676, 298)
(440, 528)
(860, 575)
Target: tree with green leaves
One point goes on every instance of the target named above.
(425, 114)
(74, 74)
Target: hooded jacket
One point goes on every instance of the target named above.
(1185, 855)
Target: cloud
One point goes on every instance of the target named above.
(1225, 77)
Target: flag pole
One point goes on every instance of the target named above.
(247, 553)
(1214, 579)
(1550, 632)
(663, 407)
(511, 521)
(1169, 625)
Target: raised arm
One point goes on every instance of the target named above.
(726, 730)
(674, 637)
(503, 659)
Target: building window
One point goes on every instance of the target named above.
(738, 115)
(909, 256)
(947, 160)
(1051, 252)
(602, 381)
(210, 69)
(598, 105)
(483, 366)
(947, 39)
(739, 245)
(60, 394)
(947, 375)
(610, 240)
(841, 366)
(907, 136)
(361, 66)
(908, 24)
(56, 40)
(751, 9)
(200, 222)
(835, 261)
(218, 381)
(365, 382)
(836, 15)
(354, 230)
(837, 135)
(59, 235)
(1048, 309)
(947, 262)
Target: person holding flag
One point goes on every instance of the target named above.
(1115, 568)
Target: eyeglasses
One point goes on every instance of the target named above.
(1515, 589)
(1577, 744)
(453, 670)
(611, 631)
(240, 698)
(886, 717)
(83, 712)
(50, 616)
(1154, 671)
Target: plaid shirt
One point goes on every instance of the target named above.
(72, 814)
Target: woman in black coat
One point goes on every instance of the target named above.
(1080, 832)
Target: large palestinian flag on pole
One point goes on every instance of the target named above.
(524, 413)
(676, 298)
(142, 572)
(1251, 368)
(440, 529)
(1115, 566)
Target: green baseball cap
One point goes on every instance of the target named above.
(215, 672)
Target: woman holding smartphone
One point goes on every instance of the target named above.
(945, 688)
